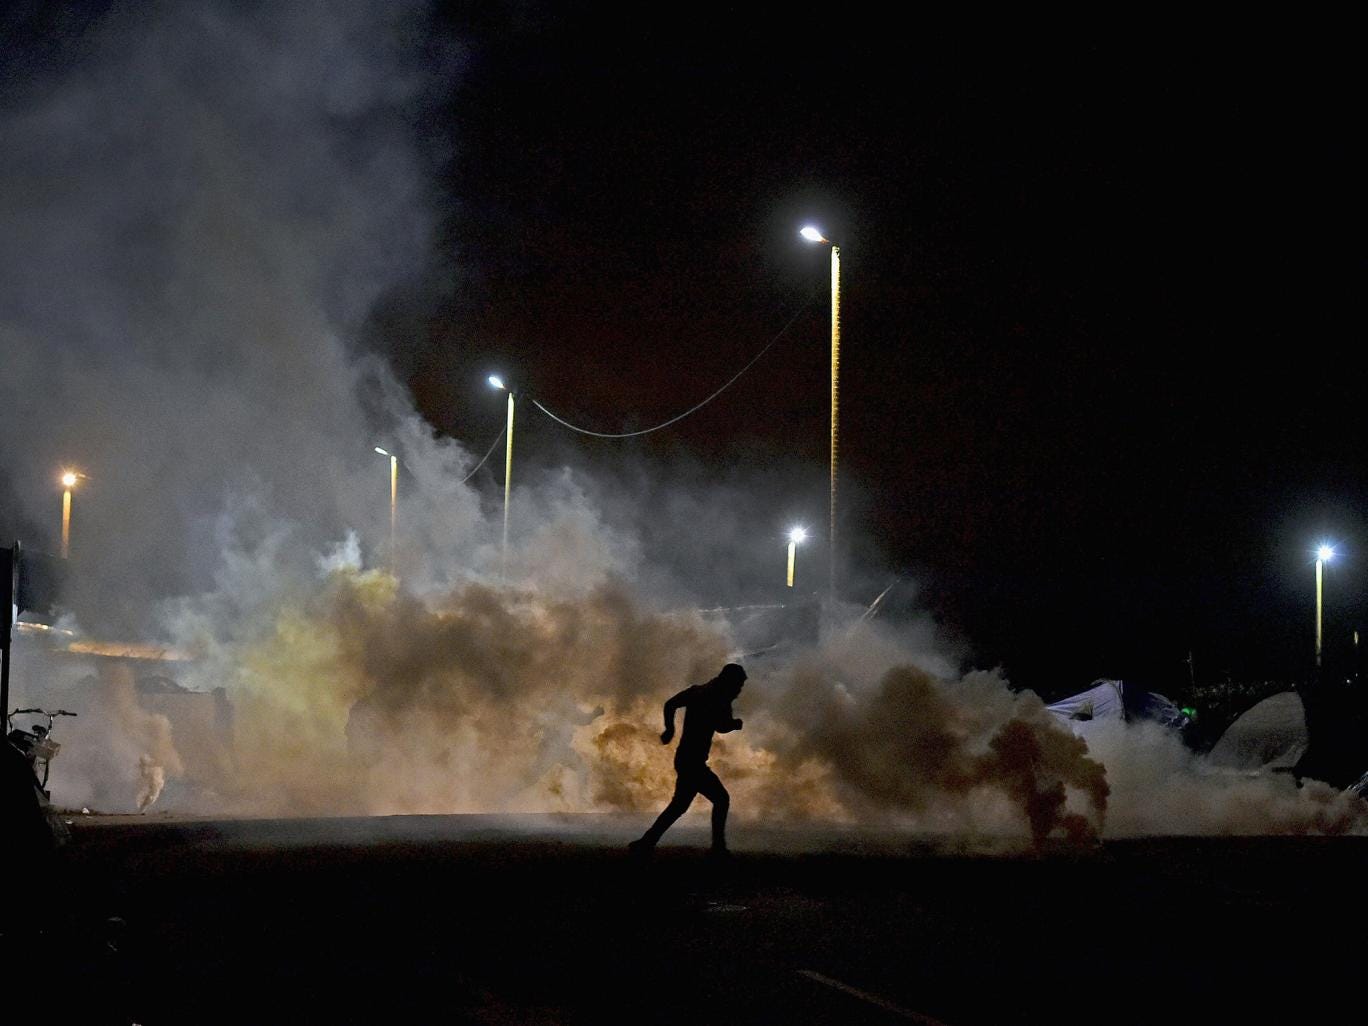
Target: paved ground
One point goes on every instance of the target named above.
(489, 920)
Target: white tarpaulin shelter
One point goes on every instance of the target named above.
(1269, 735)
(1113, 700)
(1102, 701)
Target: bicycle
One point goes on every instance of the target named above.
(36, 744)
(36, 824)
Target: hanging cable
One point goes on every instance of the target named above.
(486, 456)
(692, 409)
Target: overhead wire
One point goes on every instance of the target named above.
(486, 456)
(693, 409)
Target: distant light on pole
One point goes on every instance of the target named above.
(1324, 554)
(394, 499)
(69, 479)
(497, 382)
(812, 234)
(796, 537)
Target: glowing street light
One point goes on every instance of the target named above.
(394, 497)
(68, 479)
(812, 234)
(1323, 555)
(497, 382)
(796, 537)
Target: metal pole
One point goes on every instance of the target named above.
(508, 484)
(4, 677)
(9, 594)
(394, 506)
(66, 523)
(1319, 565)
(835, 401)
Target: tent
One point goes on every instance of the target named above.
(1269, 735)
(1114, 700)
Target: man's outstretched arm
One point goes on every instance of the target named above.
(670, 706)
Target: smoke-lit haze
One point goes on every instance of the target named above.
(201, 203)
(199, 207)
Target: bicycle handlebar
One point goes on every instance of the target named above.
(43, 712)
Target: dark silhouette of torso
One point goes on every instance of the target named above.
(706, 711)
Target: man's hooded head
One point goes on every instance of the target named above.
(730, 679)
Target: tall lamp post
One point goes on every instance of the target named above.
(496, 382)
(1323, 555)
(394, 499)
(813, 235)
(796, 537)
(69, 480)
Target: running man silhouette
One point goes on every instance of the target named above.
(707, 710)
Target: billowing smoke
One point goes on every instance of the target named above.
(200, 205)
(116, 753)
(1159, 786)
(919, 747)
(358, 695)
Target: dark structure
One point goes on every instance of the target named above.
(1337, 731)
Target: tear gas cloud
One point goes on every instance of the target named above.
(201, 206)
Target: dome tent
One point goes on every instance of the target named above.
(1270, 734)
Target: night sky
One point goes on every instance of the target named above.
(1101, 368)
(1101, 374)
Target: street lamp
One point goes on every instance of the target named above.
(394, 497)
(814, 235)
(69, 479)
(496, 382)
(796, 536)
(1323, 555)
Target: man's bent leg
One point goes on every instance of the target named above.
(711, 788)
(685, 790)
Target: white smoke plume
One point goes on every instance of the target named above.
(151, 780)
(1160, 787)
(200, 203)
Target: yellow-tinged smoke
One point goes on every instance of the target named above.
(365, 698)
(351, 694)
(116, 754)
(967, 756)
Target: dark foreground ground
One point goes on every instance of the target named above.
(489, 920)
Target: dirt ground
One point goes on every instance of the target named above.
(547, 920)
